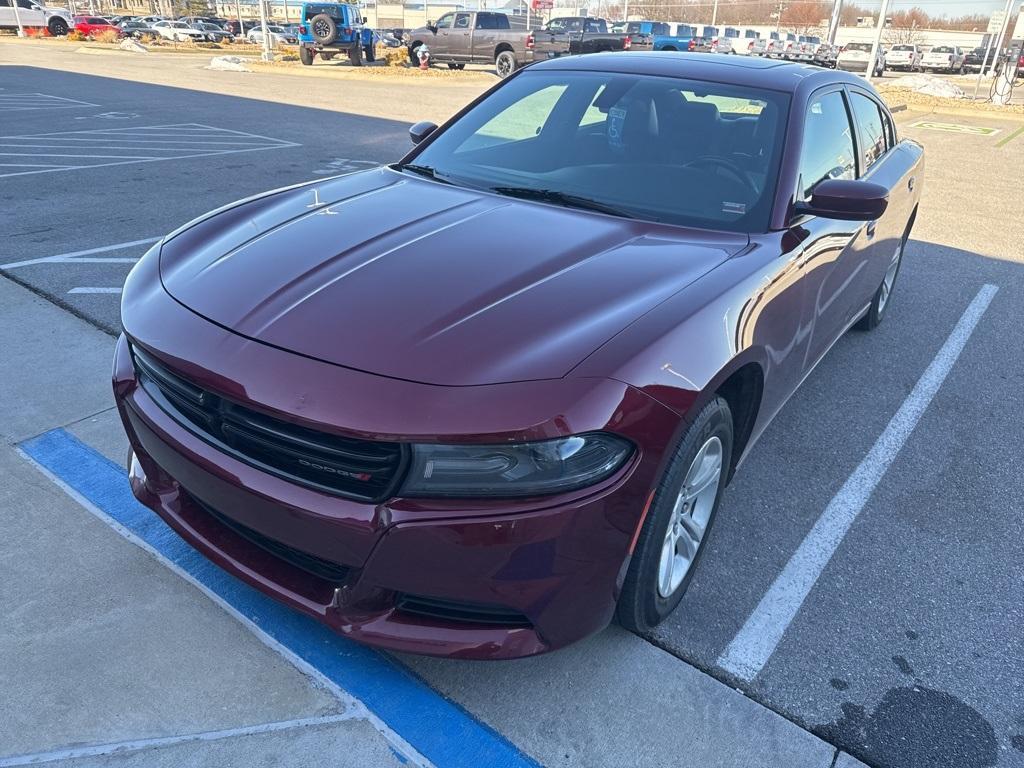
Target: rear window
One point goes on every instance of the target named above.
(942, 49)
(661, 149)
(859, 47)
(903, 47)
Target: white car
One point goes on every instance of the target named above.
(722, 44)
(34, 15)
(948, 58)
(178, 31)
(906, 57)
(278, 36)
(855, 57)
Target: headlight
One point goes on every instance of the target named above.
(516, 469)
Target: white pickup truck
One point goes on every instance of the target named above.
(33, 15)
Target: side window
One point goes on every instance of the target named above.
(868, 117)
(445, 21)
(827, 151)
(501, 21)
(556, 25)
(462, 21)
(484, 21)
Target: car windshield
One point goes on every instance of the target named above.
(859, 47)
(903, 47)
(276, 30)
(942, 49)
(180, 25)
(656, 148)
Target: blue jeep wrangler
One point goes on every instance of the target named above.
(333, 28)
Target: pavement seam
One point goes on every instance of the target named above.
(356, 709)
(57, 300)
(141, 745)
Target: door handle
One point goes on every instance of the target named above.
(871, 229)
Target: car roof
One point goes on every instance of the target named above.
(735, 70)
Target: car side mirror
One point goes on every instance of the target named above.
(846, 199)
(432, 26)
(421, 130)
(364, 20)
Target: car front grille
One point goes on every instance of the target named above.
(325, 569)
(463, 613)
(358, 469)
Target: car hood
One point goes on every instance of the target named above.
(408, 278)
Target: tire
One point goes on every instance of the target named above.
(505, 64)
(649, 595)
(412, 53)
(455, 65)
(306, 56)
(882, 299)
(355, 56)
(669, 48)
(57, 26)
(323, 28)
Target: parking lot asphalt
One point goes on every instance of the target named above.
(907, 650)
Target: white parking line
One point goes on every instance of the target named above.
(126, 747)
(20, 102)
(754, 644)
(104, 147)
(87, 289)
(74, 255)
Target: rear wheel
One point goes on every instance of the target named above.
(323, 28)
(505, 64)
(678, 521)
(355, 56)
(306, 56)
(57, 26)
(369, 54)
(880, 301)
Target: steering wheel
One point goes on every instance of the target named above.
(715, 162)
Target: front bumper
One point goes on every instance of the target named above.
(556, 562)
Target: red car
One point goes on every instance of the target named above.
(90, 26)
(480, 402)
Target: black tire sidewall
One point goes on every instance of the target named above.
(332, 26)
(510, 58)
(55, 26)
(640, 606)
(306, 56)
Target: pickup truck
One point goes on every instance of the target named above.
(585, 34)
(475, 37)
(685, 39)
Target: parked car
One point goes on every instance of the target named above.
(136, 29)
(906, 57)
(767, 47)
(584, 34)
(278, 36)
(214, 32)
(856, 57)
(975, 59)
(474, 37)
(57, 21)
(537, 439)
(178, 31)
(745, 45)
(91, 26)
(825, 55)
(153, 19)
(945, 58)
(641, 28)
(685, 39)
(328, 29)
(193, 20)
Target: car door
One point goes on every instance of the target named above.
(484, 38)
(460, 37)
(830, 253)
(880, 160)
(439, 45)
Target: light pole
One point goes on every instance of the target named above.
(267, 54)
(833, 22)
(877, 44)
(241, 26)
(17, 19)
(714, 14)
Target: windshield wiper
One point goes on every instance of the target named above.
(561, 198)
(425, 170)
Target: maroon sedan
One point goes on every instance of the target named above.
(484, 401)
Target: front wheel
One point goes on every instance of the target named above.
(355, 56)
(505, 64)
(57, 26)
(683, 509)
(369, 54)
(306, 56)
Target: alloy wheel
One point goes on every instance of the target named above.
(889, 279)
(690, 517)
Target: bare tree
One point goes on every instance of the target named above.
(907, 27)
(805, 17)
